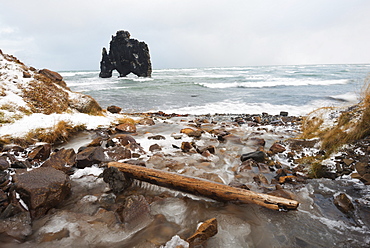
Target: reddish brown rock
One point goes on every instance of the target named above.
(62, 160)
(4, 164)
(135, 212)
(343, 203)
(118, 153)
(211, 149)
(157, 137)
(205, 231)
(114, 109)
(89, 156)
(285, 179)
(191, 132)
(121, 139)
(147, 121)
(41, 152)
(51, 74)
(186, 146)
(362, 168)
(126, 128)
(26, 74)
(155, 147)
(42, 189)
(366, 179)
(277, 148)
(127, 141)
(96, 142)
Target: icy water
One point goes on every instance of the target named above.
(297, 89)
(149, 216)
(156, 214)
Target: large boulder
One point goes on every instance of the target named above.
(42, 189)
(126, 55)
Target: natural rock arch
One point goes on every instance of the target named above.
(126, 55)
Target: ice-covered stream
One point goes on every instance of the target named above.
(149, 216)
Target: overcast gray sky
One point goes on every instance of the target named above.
(69, 34)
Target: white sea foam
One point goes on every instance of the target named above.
(351, 97)
(90, 83)
(276, 82)
(75, 73)
(237, 107)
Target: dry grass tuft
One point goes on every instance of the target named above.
(45, 98)
(125, 120)
(352, 124)
(61, 132)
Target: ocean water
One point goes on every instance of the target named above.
(297, 89)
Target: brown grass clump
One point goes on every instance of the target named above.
(45, 98)
(61, 132)
(362, 129)
(311, 127)
(126, 120)
(352, 124)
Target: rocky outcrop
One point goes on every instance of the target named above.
(39, 91)
(126, 56)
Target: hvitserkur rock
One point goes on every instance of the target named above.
(126, 55)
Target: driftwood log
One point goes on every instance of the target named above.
(201, 187)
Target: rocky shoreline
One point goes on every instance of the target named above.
(56, 190)
(255, 152)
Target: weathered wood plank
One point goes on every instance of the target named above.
(201, 187)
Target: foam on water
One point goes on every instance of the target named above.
(272, 83)
(238, 107)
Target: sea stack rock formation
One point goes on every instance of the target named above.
(126, 55)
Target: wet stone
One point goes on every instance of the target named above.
(277, 148)
(186, 146)
(4, 164)
(205, 231)
(96, 142)
(343, 203)
(4, 178)
(362, 168)
(117, 153)
(21, 164)
(348, 161)
(135, 212)
(126, 128)
(366, 179)
(157, 137)
(146, 121)
(117, 180)
(114, 109)
(88, 156)
(41, 152)
(258, 156)
(42, 189)
(62, 159)
(155, 147)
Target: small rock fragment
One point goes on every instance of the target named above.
(205, 231)
(343, 203)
